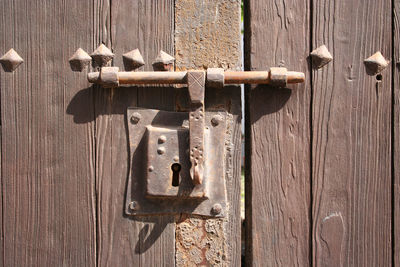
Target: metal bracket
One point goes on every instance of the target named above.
(158, 141)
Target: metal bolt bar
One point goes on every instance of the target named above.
(259, 77)
(180, 77)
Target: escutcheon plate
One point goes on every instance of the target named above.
(158, 139)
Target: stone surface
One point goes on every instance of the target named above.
(201, 242)
(211, 39)
(207, 35)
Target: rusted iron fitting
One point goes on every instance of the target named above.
(216, 77)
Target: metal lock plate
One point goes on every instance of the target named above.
(159, 142)
(168, 164)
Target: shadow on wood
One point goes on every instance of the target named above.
(267, 100)
(82, 113)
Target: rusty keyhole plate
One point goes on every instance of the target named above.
(159, 179)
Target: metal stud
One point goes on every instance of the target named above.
(216, 209)
(216, 120)
(133, 206)
(80, 60)
(135, 118)
(163, 62)
(11, 60)
(161, 150)
(133, 60)
(321, 56)
(102, 55)
(162, 139)
(376, 63)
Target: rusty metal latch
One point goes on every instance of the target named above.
(216, 77)
(164, 148)
(177, 159)
(196, 81)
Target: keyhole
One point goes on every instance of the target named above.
(176, 168)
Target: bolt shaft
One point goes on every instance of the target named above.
(180, 77)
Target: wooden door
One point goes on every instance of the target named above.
(64, 146)
(323, 158)
(322, 175)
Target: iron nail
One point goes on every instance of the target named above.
(376, 63)
(176, 158)
(162, 139)
(321, 56)
(135, 118)
(163, 62)
(11, 60)
(216, 209)
(151, 168)
(215, 120)
(161, 150)
(133, 205)
(102, 55)
(80, 60)
(133, 60)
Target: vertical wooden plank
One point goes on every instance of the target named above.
(207, 35)
(396, 134)
(126, 241)
(277, 136)
(1, 200)
(351, 147)
(47, 136)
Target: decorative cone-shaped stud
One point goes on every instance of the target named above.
(79, 60)
(11, 60)
(375, 63)
(102, 55)
(133, 60)
(163, 62)
(321, 56)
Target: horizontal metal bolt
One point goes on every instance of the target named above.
(180, 77)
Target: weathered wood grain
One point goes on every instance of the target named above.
(47, 136)
(277, 136)
(207, 34)
(396, 134)
(351, 136)
(125, 241)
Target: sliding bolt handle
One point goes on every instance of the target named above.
(196, 87)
